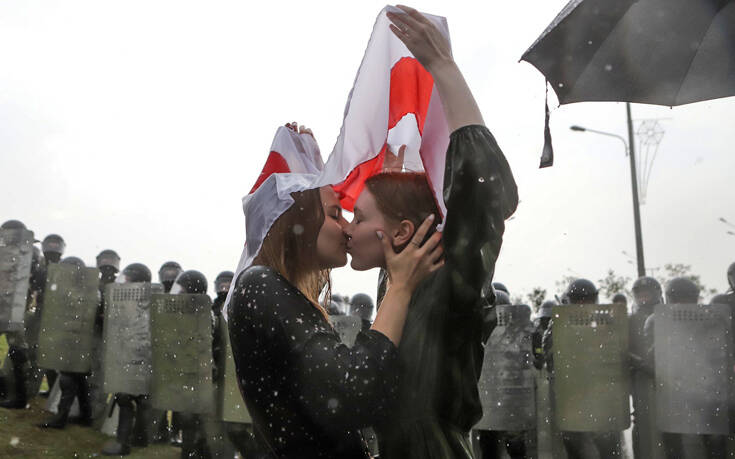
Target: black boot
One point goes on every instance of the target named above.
(85, 405)
(18, 359)
(142, 421)
(69, 389)
(120, 446)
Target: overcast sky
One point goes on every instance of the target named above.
(139, 125)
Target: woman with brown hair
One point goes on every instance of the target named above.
(309, 394)
(441, 353)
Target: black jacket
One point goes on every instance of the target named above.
(308, 394)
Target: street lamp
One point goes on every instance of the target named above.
(634, 184)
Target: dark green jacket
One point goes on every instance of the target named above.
(441, 352)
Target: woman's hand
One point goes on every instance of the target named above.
(394, 163)
(405, 271)
(294, 126)
(409, 267)
(432, 50)
(421, 37)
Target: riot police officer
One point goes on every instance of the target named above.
(582, 445)
(620, 298)
(647, 294)
(489, 317)
(362, 306)
(681, 290)
(168, 273)
(222, 287)
(194, 443)
(73, 385)
(542, 324)
(134, 415)
(108, 262)
(53, 247)
(20, 343)
(239, 434)
(512, 433)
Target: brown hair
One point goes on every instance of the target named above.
(290, 247)
(404, 196)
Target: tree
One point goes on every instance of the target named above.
(612, 284)
(536, 297)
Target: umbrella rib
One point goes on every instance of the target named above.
(602, 43)
(694, 56)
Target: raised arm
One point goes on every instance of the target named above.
(479, 188)
(432, 50)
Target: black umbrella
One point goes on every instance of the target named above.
(664, 52)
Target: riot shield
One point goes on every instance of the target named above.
(16, 251)
(506, 385)
(230, 405)
(181, 340)
(127, 337)
(694, 368)
(591, 383)
(67, 320)
(347, 327)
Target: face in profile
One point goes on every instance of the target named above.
(331, 244)
(363, 245)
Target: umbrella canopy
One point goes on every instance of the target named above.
(663, 52)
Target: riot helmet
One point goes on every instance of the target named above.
(53, 247)
(501, 297)
(13, 224)
(731, 277)
(191, 282)
(581, 291)
(722, 298)
(168, 273)
(75, 261)
(108, 258)
(500, 286)
(620, 298)
(362, 306)
(544, 311)
(682, 290)
(135, 272)
(222, 282)
(333, 308)
(647, 291)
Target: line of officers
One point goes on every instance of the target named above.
(137, 422)
(563, 385)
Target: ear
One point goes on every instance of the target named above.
(403, 233)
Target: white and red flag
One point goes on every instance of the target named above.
(393, 102)
(294, 164)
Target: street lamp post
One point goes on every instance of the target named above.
(630, 151)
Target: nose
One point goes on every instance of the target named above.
(347, 229)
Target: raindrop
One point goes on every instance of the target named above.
(298, 230)
(608, 67)
(481, 180)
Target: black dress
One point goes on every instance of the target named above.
(441, 351)
(308, 394)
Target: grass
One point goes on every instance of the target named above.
(21, 438)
